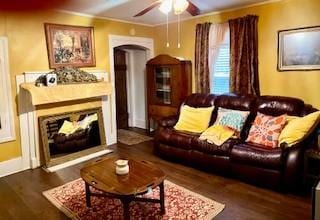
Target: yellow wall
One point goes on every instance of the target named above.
(285, 14)
(28, 52)
(27, 47)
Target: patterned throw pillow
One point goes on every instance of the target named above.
(233, 119)
(266, 130)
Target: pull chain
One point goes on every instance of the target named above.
(178, 30)
(168, 45)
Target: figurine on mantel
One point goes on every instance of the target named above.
(68, 75)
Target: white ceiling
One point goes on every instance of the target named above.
(126, 9)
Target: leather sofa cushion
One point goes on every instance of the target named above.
(257, 155)
(175, 138)
(199, 100)
(277, 105)
(205, 147)
(236, 102)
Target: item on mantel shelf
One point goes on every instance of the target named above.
(68, 75)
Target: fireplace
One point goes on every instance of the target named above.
(71, 135)
(61, 100)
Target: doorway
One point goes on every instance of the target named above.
(130, 85)
(116, 41)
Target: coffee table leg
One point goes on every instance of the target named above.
(126, 212)
(88, 199)
(163, 209)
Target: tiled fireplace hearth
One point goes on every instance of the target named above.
(42, 102)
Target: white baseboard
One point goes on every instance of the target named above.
(11, 166)
(78, 160)
(139, 123)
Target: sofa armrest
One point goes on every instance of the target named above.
(293, 169)
(169, 121)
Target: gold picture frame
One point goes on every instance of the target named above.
(299, 49)
(69, 45)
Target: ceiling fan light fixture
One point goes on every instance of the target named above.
(180, 6)
(166, 6)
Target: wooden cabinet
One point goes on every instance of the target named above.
(168, 83)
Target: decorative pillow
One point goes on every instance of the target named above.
(233, 119)
(217, 134)
(298, 128)
(266, 130)
(194, 119)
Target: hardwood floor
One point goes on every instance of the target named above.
(21, 194)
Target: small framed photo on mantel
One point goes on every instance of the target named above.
(70, 45)
(299, 49)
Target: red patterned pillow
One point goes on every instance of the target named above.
(266, 130)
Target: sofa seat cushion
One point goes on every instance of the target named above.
(176, 138)
(257, 155)
(205, 147)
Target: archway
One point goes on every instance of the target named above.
(114, 42)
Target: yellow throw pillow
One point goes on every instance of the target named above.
(217, 134)
(298, 128)
(194, 119)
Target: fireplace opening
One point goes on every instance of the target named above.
(71, 135)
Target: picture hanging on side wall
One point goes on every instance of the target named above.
(299, 49)
(70, 45)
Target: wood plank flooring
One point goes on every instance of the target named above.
(21, 194)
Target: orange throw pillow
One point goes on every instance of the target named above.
(266, 130)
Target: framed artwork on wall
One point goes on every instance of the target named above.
(70, 45)
(7, 129)
(299, 49)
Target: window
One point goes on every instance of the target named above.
(220, 60)
(220, 79)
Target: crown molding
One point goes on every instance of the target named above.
(102, 18)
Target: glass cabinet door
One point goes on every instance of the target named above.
(163, 85)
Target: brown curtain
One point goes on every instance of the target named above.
(244, 77)
(201, 58)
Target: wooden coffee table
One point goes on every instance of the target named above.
(143, 176)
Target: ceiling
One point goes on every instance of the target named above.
(126, 9)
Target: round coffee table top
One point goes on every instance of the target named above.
(101, 174)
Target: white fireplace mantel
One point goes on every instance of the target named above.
(30, 96)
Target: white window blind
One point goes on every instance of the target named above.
(220, 76)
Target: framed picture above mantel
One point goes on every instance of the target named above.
(70, 45)
(299, 49)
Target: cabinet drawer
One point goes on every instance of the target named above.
(163, 111)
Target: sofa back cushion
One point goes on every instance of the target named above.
(236, 102)
(279, 105)
(200, 100)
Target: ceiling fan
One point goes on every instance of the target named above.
(166, 5)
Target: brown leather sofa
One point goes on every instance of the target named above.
(276, 168)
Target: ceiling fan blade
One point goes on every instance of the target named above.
(192, 9)
(152, 6)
